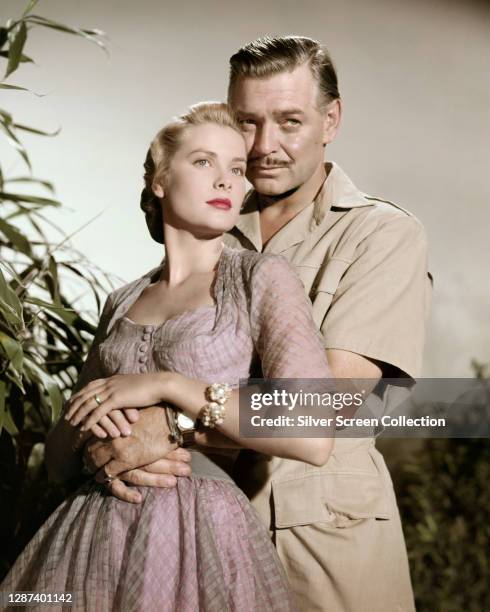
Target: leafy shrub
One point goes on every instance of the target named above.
(43, 336)
(444, 500)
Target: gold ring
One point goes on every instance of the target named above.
(97, 399)
(108, 479)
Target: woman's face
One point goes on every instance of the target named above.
(205, 185)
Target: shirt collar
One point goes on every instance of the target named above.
(337, 191)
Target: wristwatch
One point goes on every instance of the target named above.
(182, 427)
(186, 427)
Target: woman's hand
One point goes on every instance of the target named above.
(91, 405)
(116, 423)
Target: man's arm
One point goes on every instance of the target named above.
(126, 457)
(345, 364)
(380, 306)
(146, 458)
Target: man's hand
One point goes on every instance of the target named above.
(146, 458)
(161, 473)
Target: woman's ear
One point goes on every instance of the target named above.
(158, 190)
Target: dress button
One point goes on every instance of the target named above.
(142, 359)
(146, 336)
(143, 348)
(147, 329)
(142, 369)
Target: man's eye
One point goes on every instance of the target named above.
(292, 122)
(238, 171)
(246, 122)
(201, 162)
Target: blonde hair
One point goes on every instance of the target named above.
(163, 148)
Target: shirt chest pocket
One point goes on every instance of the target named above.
(325, 286)
(339, 500)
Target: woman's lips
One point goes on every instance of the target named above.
(221, 203)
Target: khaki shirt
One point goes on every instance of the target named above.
(363, 262)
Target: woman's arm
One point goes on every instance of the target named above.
(189, 395)
(289, 347)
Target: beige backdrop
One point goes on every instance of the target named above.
(414, 77)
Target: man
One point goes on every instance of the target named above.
(363, 264)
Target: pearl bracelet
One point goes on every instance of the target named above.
(213, 413)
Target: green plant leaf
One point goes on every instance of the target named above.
(13, 350)
(16, 48)
(24, 59)
(93, 283)
(28, 179)
(5, 125)
(5, 86)
(31, 130)
(91, 35)
(68, 315)
(9, 302)
(53, 271)
(29, 7)
(6, 117)
(9, 314)
(16, 237)
(49, 384)
(67, 332)
(38, 228)
(22, 198)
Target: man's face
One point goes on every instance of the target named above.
(284, 130)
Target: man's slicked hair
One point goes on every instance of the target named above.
(268, 56)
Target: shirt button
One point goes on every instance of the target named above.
(147, 329)
(143, 348)
(142, 369)
(146, 336)
(142, 359)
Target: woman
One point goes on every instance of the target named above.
(202, 317)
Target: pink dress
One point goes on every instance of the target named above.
(200, 545)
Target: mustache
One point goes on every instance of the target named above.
(267, 162)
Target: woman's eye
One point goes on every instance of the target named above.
(238, 171)
(201, 162)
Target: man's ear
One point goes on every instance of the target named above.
(158, 190)
(331, 122)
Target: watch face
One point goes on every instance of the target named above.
(184, 422)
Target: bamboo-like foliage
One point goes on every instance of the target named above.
(43, 336)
